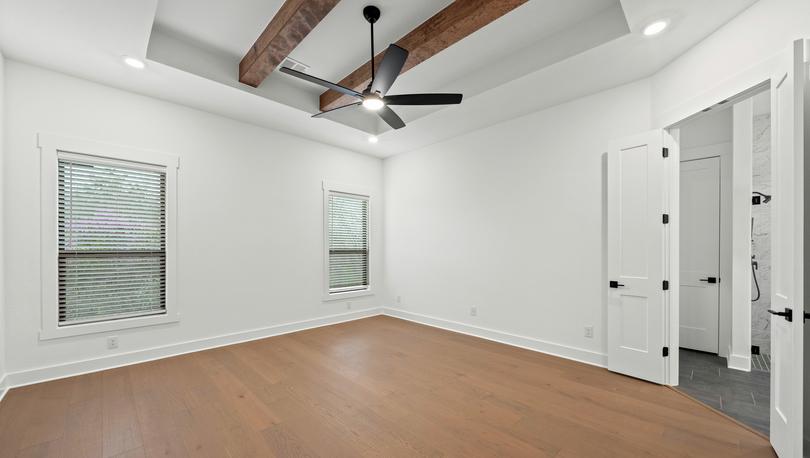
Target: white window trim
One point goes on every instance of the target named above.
(51, 148)
(357, 191)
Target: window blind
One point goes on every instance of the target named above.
(348, 242)
(112, 241)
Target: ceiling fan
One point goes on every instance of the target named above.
(374, 97)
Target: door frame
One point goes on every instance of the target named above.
(739, 87)
(715, 99)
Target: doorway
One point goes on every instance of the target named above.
(643, 309)
(725, 197)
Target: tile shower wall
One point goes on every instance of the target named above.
(761, 236)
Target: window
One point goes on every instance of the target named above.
(112, 241)
(108, 237)
(347, 242)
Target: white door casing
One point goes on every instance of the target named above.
(700, 254)
(788, 84)
(637, 188)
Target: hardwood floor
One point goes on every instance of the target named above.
(373, 387)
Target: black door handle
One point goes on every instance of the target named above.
(788, 313)
(615, 284)
(709, 279)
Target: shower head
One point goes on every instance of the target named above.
(760, 198)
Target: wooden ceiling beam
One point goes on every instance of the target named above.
(458, 20)
(291, 24)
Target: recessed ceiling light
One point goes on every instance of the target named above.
(373, 139)
(655, 28)
(134, 62)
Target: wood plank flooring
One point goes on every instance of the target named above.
(373, 387)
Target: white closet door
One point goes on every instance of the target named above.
(636, 246)
(700, 254)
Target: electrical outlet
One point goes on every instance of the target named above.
(589, 332)
(473, 311)
(112, 342)
(348, 305)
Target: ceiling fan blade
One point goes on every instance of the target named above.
(389, 69)
(391, 118)
(423, 99)
(318, 115)
(324, 83)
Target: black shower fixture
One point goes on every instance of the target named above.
(760, 198)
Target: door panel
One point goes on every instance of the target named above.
(700, 254)
(634, 214)
(634, 319)
(788, 85)
(636, 312)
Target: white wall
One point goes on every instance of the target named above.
(712, 128)
(761, 214)
(742, 174)
(729, 61)
(506, 219)
(2, 217)
(510, 219)
(250, 216)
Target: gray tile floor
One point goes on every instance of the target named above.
(761, 363)
(744, 396)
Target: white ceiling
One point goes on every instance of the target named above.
(229, 27)
(340, 43)
(543, 53)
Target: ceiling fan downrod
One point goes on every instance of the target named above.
(372, 14)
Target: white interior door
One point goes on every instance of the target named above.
(787, 98)
(700, 254)
(636, 235)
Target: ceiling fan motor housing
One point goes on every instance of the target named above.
(371, 13)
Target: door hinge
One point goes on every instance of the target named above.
(666, 218)
(666, 285)
(666, 352)
(666, 152)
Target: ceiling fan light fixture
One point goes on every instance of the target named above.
(375, 97)
(373, 103)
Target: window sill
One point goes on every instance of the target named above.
(347, 295)
(105, 326)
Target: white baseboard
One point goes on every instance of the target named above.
(3, 387)
(530, 343)
(739, 362)
(42, 374)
